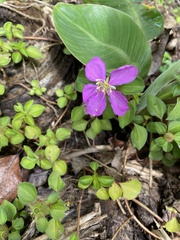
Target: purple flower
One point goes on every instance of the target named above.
(94, 95)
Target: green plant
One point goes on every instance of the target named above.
(36, 89)
(65, 95)
(106, 187)
(47, 213)
(13, 49)
(151, 115)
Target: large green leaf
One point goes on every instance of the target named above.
(94, 30)
(147, 17)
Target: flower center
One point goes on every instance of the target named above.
(104, 86)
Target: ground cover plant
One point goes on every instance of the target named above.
(111, 93)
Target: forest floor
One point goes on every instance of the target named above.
(103, 220)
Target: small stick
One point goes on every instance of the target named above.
(148, 210)
(138, 222)
(119, 229)
(79, 212)
(62, 115)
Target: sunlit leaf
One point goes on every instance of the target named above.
(131, 189)
(102, 31)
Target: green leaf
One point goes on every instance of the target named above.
(133, 87)
(3, 141)
(52, 152)
(18, 223)
(159, 83)
(27, 106)
(63, 133)
(81, 81)
(102, 194)
(16, 57)
(17, 138)
(138, 136)
(14, 235)
(127, 118)
(73, 236)
(115, 191)
(175, 113)
(108, 112)
(5, 59)
(3, 216)
(69, 89)
(18, 204)
(10, 210)
(55, 182)
(177, 138)
(52, 230)
(41, 224)
(29, 120)
(106, 181)
(94, 166)
(85, 181)
(96, 125)
(32, 132)
(2, 89)
(53, 197)
(59, 92)
(172, 225)
(45, 164)
(138, 119)
(58, 210)
(60, 167)
(174, 127)
(106, 124)
(5, 121)
(91, 134)
(147, 17)
(36, 110)
(27, 193)
(77, 113)
(156, 107)
(154, 147)
(167, 146)
(17, 34)
(34, 52)
(79, 125)
(62, 102)
(28, 163)
(102, 31)
(131, 189)
(157, 155)
(156, 127)
(169, 160)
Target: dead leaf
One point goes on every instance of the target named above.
(10, 177)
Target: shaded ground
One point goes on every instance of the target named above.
(99, 219)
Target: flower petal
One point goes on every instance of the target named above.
(95, 69)
(119, 103)
(96, 104)
(123, 75)
(89, 91)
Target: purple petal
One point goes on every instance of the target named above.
(96, 104)
(89, 91)
(123, 75)
(119, 103)
(95, 69)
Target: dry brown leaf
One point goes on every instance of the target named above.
(10, 176)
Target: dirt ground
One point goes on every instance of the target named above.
(100, 220)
